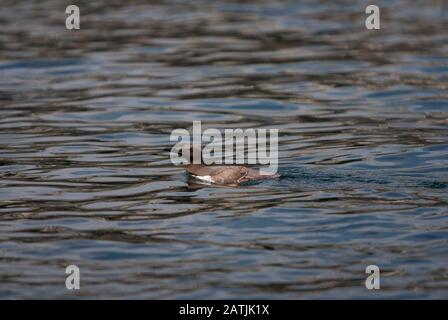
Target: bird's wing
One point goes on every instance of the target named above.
(222, 174)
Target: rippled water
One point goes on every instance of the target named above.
(85, 121)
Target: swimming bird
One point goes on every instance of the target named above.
(232, 175)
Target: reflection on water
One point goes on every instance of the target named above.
(86, 116)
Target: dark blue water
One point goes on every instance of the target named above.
(85, 177)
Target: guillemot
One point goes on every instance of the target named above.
(231, 175)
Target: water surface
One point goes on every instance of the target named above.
(85, 121)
